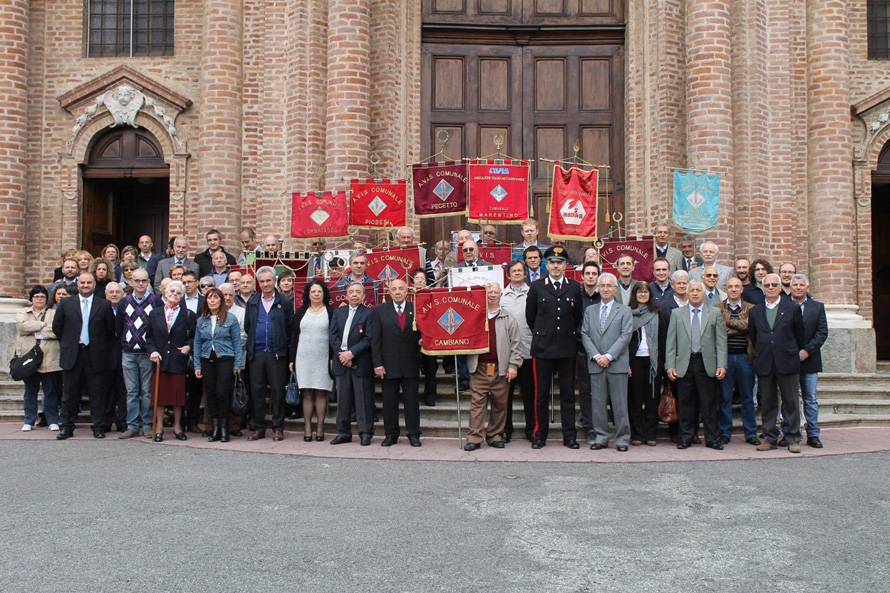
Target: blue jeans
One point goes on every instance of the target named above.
(739, 375)
(51, 397)
(808, 383)
(138, 373)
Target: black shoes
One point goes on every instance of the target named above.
(216, 435)
(430, 401)
(414, 441)
(715, 444)
(683, 445)
(753, 441)
(498, 444)
(507, 436)
(723, 440)
(598, 447)
(472, 446)
(539, 444)
(64, 434)
(389, 441)
(98, 434)
(571, 444)
(366, 440)
(621, 448)
(340, 439)
(814, 442)
(159, 438)
(180, 436)
(783, 443)
(224, 433)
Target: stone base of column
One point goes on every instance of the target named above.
(850, 347)
(8, 333)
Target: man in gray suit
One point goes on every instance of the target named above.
(695, 357)
(180, 256)
(708, 251)
(662, 249)
(605, 333)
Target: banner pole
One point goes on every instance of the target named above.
(457, 395)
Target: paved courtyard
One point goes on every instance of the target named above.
(89, 515)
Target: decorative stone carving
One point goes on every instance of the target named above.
(177, 196)
(69, 194)
(124, 103)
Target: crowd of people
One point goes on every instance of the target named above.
(143, 332)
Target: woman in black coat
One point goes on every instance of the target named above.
(171, 330)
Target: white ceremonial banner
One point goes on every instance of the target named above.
(475, 276)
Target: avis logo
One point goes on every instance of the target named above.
(450, 321)
(499, 171)
(573, 212)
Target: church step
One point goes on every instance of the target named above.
(862, 407)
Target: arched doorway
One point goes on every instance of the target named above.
(126, 190)
(880, 238)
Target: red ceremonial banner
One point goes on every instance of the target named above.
(338, 296)
(396, 262)
(319, 215)
(452, 321)
(495, 253)
(440, 189)
(377, 205)
(573, 203)
(642, 249)
(498, 191)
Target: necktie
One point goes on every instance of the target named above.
(696, 332)
(556, 286)
(346, 329)
(85, 329)
(688, 263)
(399, 309)
(604, 314)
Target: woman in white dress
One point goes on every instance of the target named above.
(310, 352)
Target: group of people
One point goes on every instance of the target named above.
(184, 330)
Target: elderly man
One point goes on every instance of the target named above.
(815, 332)
(271, 243)
(246, 288)
(660, 288)
(553, 312)
(777, 332)
(470, 251)
(605, 334)
(220, 271)
(695, 357)
(491, 374)
(489, 234)
(671, 254)
(713, 295)
(267, 322)
(739, 372)
(437, 264)
(529, 238)
(708, 251)
(395, 350)
(117, 394)
(205, 262)
(180, 257)
(626, 265)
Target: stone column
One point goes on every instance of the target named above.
(348, 113)
(220, 122)
(709, 106)
(831, 210)
(14, 132)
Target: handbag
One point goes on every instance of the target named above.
(667, 406)
(26, 365)
(240, 396)
(292, 392)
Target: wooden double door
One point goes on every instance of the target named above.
(543, 91)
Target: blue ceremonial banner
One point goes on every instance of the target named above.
(696, 200)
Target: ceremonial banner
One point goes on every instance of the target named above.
(376, 205)
(452, 321)
(495, 253)
(440, 189)
(498, 191)
(696, 200)
(642, 249)
(476, 276)
(319, 215)
(573, 203)
(338, 296)
(396, 262)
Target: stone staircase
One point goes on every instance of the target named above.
(845, 400)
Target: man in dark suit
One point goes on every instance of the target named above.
(86, 353)
(553, 311)
(350, 337)
(605, 334)
(690, 260)
(777, 332)
(395, 350)
(815, 332)
(267, 322)
(204, 260)
(533, 269)
(695, 357)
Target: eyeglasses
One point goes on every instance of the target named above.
(468, 249)
(140, 279)
(206, 286)
(770, 284)
(712, 275)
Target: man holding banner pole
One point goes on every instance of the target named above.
(554, 313)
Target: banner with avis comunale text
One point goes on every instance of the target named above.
(452, 321)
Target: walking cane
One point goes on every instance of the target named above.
(457, 394)
(154, 398)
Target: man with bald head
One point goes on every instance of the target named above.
(395, 351)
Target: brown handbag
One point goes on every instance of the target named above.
(667, 406)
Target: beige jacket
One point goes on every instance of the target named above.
(509, 352)
(28, 323)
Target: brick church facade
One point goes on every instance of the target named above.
(129, 116)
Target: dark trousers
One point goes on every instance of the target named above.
(430, 366)
(219, 381)
(584, 400)
(772, 387)
(526, 381)
(544, 371)
(267, 369)
(116, 400)
(194, 393)
(697, 389)
(642, 401)
(97, 392)
(410, 402)
(355, 393)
